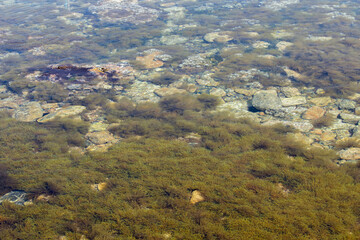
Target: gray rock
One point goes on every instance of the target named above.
(349, 118)
(16, 197)
(346, 104)
(293, 101)
(29, 112)
(266, 100)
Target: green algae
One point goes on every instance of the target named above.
(255, 180)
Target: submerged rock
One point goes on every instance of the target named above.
(350, 154)
(29, 112)
(346, 104)
(196, 197)
(16, 197)
(123, 11)
(101, 137)
(219, 37)
(162, 92)
(149, 61)
(313, 113)
(63, 112)
(265, 100)
(293, 101)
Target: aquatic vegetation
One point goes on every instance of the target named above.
(208, 101)
(180, 103)
(166, 78)
(325, 121)
(256, 182)
(7, 183)
(150, 181)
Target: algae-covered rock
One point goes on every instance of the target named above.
(265, 100)
(101, 137)
(29, 112)
(219, 37)
(63, 112)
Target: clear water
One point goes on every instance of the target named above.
(322, 38)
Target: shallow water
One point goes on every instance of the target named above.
(320, 39)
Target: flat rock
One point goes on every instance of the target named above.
(173, 40)
(328, 136)
(349, 118)
(101, 137)
(218, 92)
(149, 61)
(321, 101)
(350, 154)
(290, 91)
(293, 101)
(313, 113)
(266, 99)
(8, 104)
(209, 82)
(63, 112)
(246, 92)
(29, 112)
(219, 37)
(292, 73)
(162, 92)
(143, 92)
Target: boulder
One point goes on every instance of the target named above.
(29, 112)
(266, 100)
